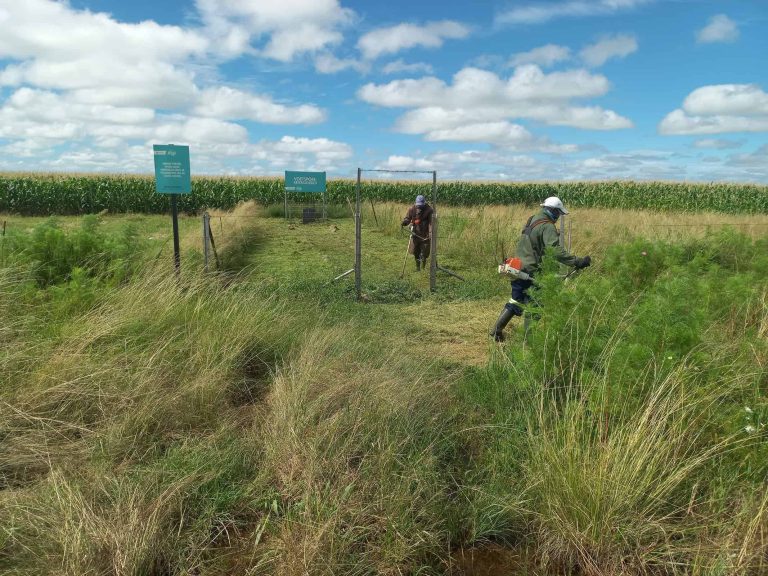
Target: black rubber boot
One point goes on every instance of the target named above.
(498, 330)
(418, 264)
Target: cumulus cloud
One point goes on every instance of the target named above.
(719, 109)
(719, 29)
(44, 115)
(479, 101)
(80, 81)
(400, 66)
(547, 55)
(393, 39)
(540, 12)
(277, 30)
(618, 46)
(56, 47)
(732, 99)
(234, 104)
(327, 63)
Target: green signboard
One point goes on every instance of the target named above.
(172, 174)
(304, 181)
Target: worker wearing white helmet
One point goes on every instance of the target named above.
(539, 234)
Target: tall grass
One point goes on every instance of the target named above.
(620, 496)
(213, 425)
(190, 428)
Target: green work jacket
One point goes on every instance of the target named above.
(539, 233)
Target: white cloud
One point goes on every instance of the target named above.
(618, 46)
(284, 45)
(403, 36)
(323, 148)
(327, 63)
(282, 30)
(99, 59)
(404, 93)
(232, 104)
(547, 55)
(37, 28)
(477, 165)
(36, 116)
(88, 84)
(538, 13)
(407, 163)
(495, 132)
(717, 144)
(213, 151)
(719, 29)
(92, 79)
(475, 87)
(677, 123)
(400, 66)
(732, 99)
(480, 101)
(719, 109)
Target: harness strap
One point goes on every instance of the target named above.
(529, 226)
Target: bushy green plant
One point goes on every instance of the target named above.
(55, 253)
(632, 390)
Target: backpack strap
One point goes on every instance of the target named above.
(529, 226)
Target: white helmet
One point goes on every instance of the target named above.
(554, 202)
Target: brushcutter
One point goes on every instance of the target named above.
(513, 267)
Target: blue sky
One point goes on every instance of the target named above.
(488, 89)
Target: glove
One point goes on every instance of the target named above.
(404, 223)
(581, 263)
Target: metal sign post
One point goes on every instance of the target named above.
(172, 176)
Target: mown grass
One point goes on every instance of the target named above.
(259, 421)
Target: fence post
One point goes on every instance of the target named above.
(206, 238)
(562, 231)
(561, 240)
(358, 239)
(2, 245)
(433, 251)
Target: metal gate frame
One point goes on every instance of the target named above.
(433, 262)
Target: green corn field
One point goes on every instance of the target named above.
(46, 194)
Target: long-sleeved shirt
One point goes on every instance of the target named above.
(539, 233)
(420, 217)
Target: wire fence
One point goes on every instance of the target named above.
(469, 240)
